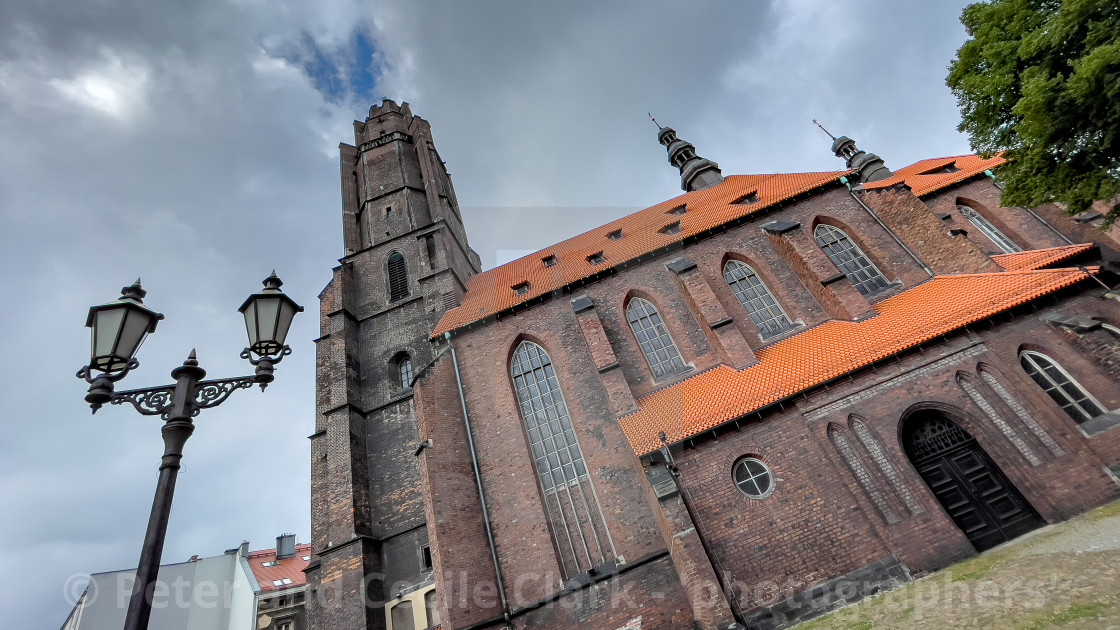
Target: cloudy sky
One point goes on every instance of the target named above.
(195, 145)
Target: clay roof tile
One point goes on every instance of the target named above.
(929, 310)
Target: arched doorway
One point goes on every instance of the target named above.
(968, 484)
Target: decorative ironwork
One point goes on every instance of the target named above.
(932, 436)
(151, 401)
(214, 393)
(86, 373)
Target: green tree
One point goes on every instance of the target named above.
(1040, 80)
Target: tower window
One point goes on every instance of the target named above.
(1055, 381)
(756, 298)
(398, 277)
(596, 259)
(388, 210)
(678, 210)
(850, 259)
(521, 289)
(658, 347)
(672, 228)
(549, 261)
(430, 246)
(1006, 245)
(426, 557)
(404, 370)
(615, 235)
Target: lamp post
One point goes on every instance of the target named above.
(118, 329)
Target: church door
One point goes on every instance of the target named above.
(967, 483)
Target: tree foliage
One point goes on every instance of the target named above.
(1040, 80)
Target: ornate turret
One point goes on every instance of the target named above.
(869, 167)
(697, 173)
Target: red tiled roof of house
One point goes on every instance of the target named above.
(286, 569)
(1039, 258)
(651, 229)
(927, 176)
(934, 308)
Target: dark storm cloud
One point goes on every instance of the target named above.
(195, 145)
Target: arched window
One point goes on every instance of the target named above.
(653, 337)
(1000, 239)
(431, 607)
(398, 277)
(578, 528)
(404, 369)
(850, 259)
(764, 310)
(1055, 381)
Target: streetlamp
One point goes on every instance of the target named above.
(118, 329)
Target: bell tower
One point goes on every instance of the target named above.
(406, 260)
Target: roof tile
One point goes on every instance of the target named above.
(922, 177)
(929, 310)
(1039, 258)
(288, 568)
(491, 292)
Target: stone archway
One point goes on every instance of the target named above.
(975, 493)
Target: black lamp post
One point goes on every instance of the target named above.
(118, 329)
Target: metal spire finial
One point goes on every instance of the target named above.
(823, 129)
(654, 120)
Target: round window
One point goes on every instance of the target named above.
(753, 478)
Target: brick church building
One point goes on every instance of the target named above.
(741, 407)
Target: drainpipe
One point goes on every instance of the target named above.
(478, 481)
(1034, 214)
(844, 180)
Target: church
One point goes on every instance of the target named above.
(750, 404)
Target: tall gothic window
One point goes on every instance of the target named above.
(653, 337)
(764, 310)
(1000, 239)
(577, 523)
(1055, 381)
(850, 259)
(398, 277)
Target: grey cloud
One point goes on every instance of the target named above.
(176, 143)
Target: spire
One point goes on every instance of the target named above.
(868, 166)
(697, 173)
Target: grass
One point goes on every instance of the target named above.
(1081, 599)
(1062, 616)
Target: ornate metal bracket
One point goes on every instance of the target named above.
(158, 401)
(265, 365)
(87, 374)
(150, 401)
(214, 393)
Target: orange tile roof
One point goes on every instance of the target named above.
(1039, 258)
(289, 568)
(492, 291)
(922, 177)
(936, 307)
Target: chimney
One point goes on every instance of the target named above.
(285, 546)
